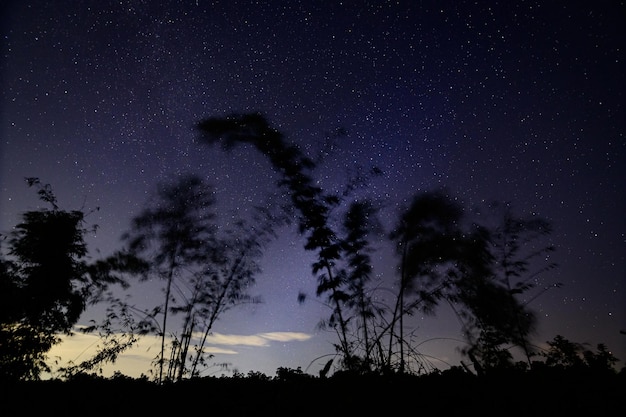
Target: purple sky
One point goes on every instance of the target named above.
(509, 101)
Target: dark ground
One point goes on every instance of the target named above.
(548, 394)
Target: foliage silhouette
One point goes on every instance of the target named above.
(538, 391)
(480, 270)
(359, 224)
(447, 256)
(309, 201)
(498, 316)
(427, 240)
(565, 355)
(206, 273)
(442, 257)
(173, 235)
(46, 284)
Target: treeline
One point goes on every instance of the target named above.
(483, 267)
(545, 390)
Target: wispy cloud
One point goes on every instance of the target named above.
(259, 339)
(218, 350)
(81, 346)
(286, 336)
(137, 360)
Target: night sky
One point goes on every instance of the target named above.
(518, 101)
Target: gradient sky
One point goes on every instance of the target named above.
(518, 101)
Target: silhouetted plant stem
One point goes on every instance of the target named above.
(398, 311)
(401, 303)
(217, 306)
(187, 333)
(165, 309)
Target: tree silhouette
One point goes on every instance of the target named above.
(511, 242)
(226, 281)
(499, 316)
(175, 234)
(205, 272)
(360, 222)
(427, 239)
(310, 202)
(565, 355)
(46, 284)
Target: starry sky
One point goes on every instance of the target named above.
(518, 101)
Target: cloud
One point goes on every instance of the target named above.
(260, 339)
(80, 346)
(235, 340)
(136, 360)
(218, 350)
(286, 336)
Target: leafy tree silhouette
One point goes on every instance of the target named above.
(498, 314)
(228, 278)
(428, 242)
(175, 234)
(46, 285)
(360, 222)
(563, 354)
(308, 199)
(205, 272)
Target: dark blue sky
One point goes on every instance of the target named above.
(513, 101)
